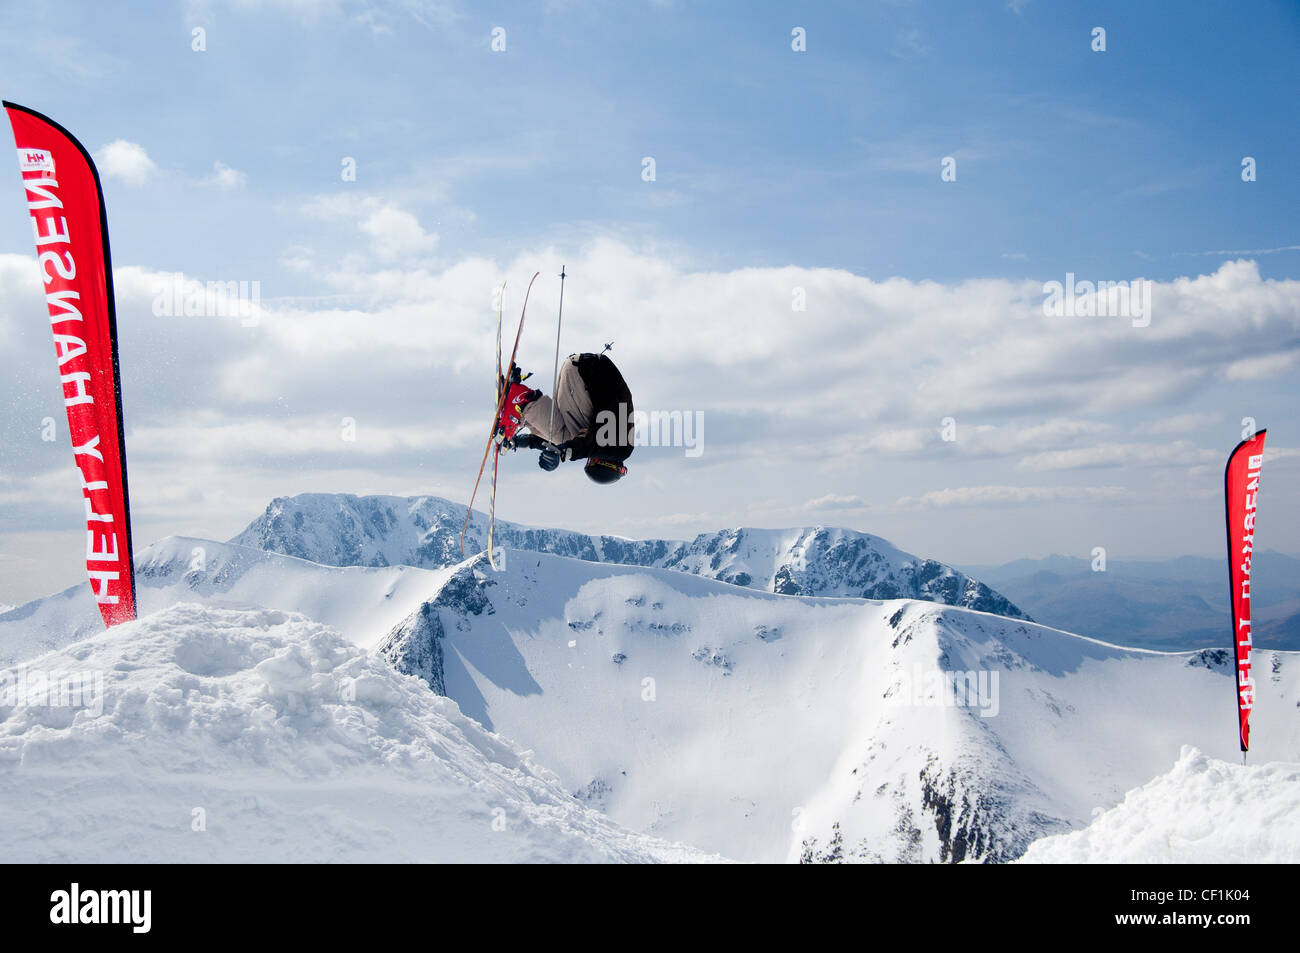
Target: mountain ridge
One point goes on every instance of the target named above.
(424, 531)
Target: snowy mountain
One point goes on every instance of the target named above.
(769, 728)
(346, 530)
(1204, 811)
(749, 724)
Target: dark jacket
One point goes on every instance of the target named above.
(611, 404)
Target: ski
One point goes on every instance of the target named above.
(503, 389)
(496, 452)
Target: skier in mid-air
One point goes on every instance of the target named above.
(590, 418)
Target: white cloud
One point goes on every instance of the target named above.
(871, 366)
(126, 161)
(1003, 495)
(982, 440)
(318, 436)
(1237, 252)
(1182, 423)
(987, 440)
(1261, 368)
(836, 501)
(298, 258)
(225, 178)
(909, 440)
(1178, 453)
(672, 520)
(395, 233)
(849, 394)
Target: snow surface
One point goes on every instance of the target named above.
(775, 728)
(753, 725)
(257, 735)
(1203, 811)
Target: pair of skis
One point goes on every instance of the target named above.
(494, 445)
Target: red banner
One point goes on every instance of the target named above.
(1241, 493)
(71, 231)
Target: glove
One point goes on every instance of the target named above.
(551, 457)
(524, 441)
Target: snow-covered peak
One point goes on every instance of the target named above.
(347, 530)
(222, 735)
(768, 728)
(830, 561)
(756, 725)
(1203, 811)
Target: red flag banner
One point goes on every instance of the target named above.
(1241, 493)
(66, 205)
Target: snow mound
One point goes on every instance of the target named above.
(226, 735)
(1203, 811)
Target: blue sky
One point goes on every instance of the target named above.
(1072, 158)
(775, 169)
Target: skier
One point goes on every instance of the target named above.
(590, 419)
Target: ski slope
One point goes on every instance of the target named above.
(222, 735)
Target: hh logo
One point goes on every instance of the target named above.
(35, 160)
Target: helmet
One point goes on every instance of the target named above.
(604, 471)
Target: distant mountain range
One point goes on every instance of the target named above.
(345, 530)
(1171, 604)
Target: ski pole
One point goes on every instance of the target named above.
(550, 427)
